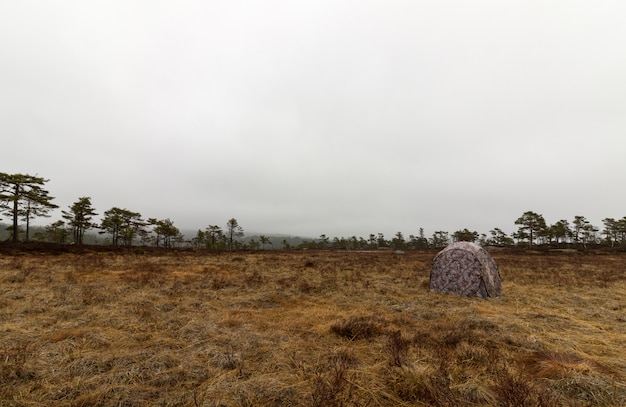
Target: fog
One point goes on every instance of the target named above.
(329, 117)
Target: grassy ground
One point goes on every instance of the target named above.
(307, 329)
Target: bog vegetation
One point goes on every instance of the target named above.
(307, 328)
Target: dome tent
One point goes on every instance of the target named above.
(465, 268)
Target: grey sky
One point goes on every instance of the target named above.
(310, 117)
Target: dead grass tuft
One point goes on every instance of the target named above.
(397, 346)
(360, 327)
(514, 391)
(14, 366)
(228, 360)
(329, 386)
(556, 365)
(426, 386)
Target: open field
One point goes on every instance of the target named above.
(307, 329)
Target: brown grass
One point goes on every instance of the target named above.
(307, 329)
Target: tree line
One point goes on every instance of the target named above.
(23, 198)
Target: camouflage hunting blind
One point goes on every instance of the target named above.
(465, 268)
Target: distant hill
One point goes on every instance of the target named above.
(92, 236)
(278, 241)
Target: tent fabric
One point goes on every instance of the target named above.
(466, 269)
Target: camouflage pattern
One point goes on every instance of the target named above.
(465, 268)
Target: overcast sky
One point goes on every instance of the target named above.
(320, 117)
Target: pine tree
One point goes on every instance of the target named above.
(22, 195)
(79, 218)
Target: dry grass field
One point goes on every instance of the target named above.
(307, 329)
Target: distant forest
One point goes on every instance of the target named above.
(23, 198)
